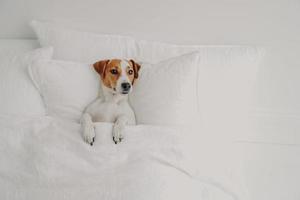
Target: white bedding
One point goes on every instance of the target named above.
(36, 152)
(45, 158)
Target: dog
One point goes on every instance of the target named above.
(117, 77)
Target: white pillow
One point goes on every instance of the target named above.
(81, 46)
(166, 92)
(227, 76)
(66, 87)
(18, 95)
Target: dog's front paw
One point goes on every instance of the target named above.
(89, 134)
(117, 133)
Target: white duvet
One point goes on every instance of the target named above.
(46, 158)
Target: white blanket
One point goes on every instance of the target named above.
(46, 158)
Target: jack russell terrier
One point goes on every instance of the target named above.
(117, 78)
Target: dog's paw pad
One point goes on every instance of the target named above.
(117, 140)
(117, 133)
(89, 136)
(93, 140)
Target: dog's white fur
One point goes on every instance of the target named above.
(112, 107)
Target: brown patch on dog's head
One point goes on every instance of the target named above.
(110, 71)
(136, 68)
(100, 67)
(114, 72)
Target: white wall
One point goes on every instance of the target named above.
(189, 21)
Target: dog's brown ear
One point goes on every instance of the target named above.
(100, 67)
(136, 68)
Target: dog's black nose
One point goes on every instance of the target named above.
(126, 86)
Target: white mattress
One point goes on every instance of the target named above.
(271, 153)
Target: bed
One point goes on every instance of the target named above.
(45, 157)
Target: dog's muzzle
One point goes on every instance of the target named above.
(125, 88)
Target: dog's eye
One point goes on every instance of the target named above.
(130, 72)
(114, 71)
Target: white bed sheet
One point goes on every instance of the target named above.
(45, 158)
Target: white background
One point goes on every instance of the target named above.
(274, 24)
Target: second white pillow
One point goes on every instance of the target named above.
(66, 87)
(165, 93)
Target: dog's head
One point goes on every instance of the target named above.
(118, 74)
